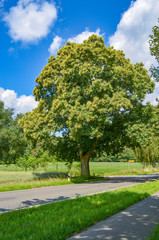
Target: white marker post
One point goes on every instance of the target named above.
(69, 177)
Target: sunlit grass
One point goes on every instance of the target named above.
(155, 234)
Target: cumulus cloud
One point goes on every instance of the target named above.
(21, 105)
(57, 41)
(30, 21)
(133, 31)
(83, 36)
(153, 96)
(55, 45)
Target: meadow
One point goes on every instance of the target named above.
(14, 178)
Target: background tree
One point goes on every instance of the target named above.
(149, 154)
(12, 141)
(88, 92)
(127, 154)
(144, 136)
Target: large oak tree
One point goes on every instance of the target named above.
(89, 92)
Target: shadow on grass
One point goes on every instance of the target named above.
(47, 175)
(135, 222)
(64, 175)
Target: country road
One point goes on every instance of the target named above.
(13, 200)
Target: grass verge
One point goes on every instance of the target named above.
(155, 234)
(47, 182)
(60, 220)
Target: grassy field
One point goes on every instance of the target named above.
(98, 168)
(56, 222)
(14, 178)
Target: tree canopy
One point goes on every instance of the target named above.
(90, 93)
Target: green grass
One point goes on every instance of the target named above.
(99, 168)
(60, 220)
(47, 182)
(155, 234)
(14, 178)
(120, 168)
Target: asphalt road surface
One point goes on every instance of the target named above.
(13, 200)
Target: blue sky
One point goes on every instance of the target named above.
(31, 30)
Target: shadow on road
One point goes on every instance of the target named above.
(4, 210)
(37, 201)
(34, 202)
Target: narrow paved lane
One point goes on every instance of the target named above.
(25, 198)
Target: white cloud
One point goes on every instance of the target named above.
(133, 31)
(21, 105)
(83, 36)
(55, 45)
(57, 41)
(152, 97)
(30, 21)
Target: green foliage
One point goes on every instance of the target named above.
(12, 141)
(44, 160)
(155, 234)
(154, 50)
(28, 161)
(127, 154)
(144, 138)
(63, 149)
(150, 153)
(105, 158)
(123, 156)
(154, 42)
(88, 92)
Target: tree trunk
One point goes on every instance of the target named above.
(154, 164)
(85, 157)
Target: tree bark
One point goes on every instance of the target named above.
(85, 157)
(154, 164)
